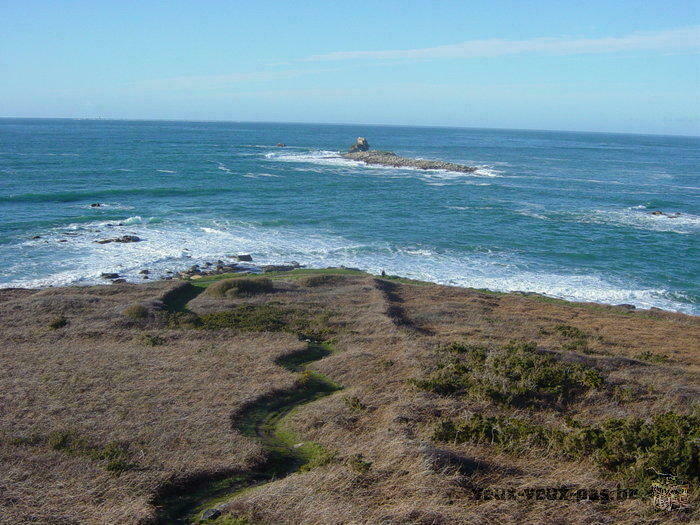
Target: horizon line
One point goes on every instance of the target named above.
(125, 119)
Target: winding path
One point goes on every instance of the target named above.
(263, 419)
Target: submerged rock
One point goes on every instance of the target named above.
(95, 205)
(281, 145)
(361, 144)
(109, 275)
(244, 257)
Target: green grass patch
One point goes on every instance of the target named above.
(266, 419)
(324, 279)
(246, 318)
(406, 280)
(115, 455)
(296, 360)
(516, 374)
(204, 282)
(243, 287)
(176, 300)
(266, 318)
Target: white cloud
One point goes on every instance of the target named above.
(687, 38)
(220, 81)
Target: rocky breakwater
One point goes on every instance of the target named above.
(361, 151)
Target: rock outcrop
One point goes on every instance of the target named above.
(388, 158)
(123, 238)
(361, 144)
(664, 214)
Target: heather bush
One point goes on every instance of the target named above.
(516, 374)
(637, 450)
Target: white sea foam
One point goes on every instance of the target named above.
(259, 175)
(175, 246)
(635, 217)
(109, 206)
(167, 171)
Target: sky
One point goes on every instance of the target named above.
(613, 65)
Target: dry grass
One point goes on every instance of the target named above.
(106, 387)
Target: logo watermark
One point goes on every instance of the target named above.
(556, 493)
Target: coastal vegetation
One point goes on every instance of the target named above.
(516, 374)
(327, 396)
(239, 287)
(633, 448)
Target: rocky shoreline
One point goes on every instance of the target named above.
(208, 268)
(360, 151)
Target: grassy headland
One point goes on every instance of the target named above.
(155, 402)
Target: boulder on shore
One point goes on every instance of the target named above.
(245, 257)
(361, 144)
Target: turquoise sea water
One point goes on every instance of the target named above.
(560, 213)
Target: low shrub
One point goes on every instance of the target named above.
(623, 394)
(258, 318)
(354, 403)
(58, 322)
(136, 311)
(151, 340)
(246, 318)
(638, 451)
(359, 464)
(570, 332)
(651, 357)
(511, 434)
(516, 374)
(187, 320)
(475, 353)
(240, 287)
(578, 339)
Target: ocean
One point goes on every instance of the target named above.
(565, 214)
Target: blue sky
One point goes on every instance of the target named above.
(629, 66)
